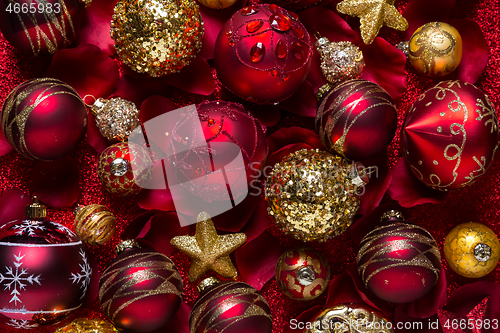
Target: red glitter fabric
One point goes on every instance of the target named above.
(479, 202)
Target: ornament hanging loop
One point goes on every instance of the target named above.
(85, 101)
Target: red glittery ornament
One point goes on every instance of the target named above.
(263, 54)
(44, 119)
(40, 27)
(450, 135)
(398, 261)
(124, 168)
(302, 274)
(44, 271)
(357, 119)
(230, 307)
(141, 289)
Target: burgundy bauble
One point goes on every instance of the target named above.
(44, 119)
(399, 261)
(124, 168)
(450, 135)
(140, 290)
(44, 270)
(263, 53)
(230, 307)
(302, 274)
(40, 27)
(357, 120)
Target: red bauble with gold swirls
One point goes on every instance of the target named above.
(450, 135)
(40, 27)
(141, 289)
(302, 274)
(263, 53)
(44, 119)
(357, 119)
(124, 168)
(230, 307)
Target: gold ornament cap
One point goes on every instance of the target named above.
(390, 214)
(35, 210)
(127, 244)
(208, 282)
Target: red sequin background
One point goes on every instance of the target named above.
(479, 202)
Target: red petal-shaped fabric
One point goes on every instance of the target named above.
(257, 259)
(406, 189)
(137, 89)
(379, 182)
(276, 157)
(93, 289)
(290, 135)
(268, 115)
(180, 322)
(56, 182)
(94, 136)
(384, 65)
(163, 227)
(368, 297)
(12, 204)
(96, 74)
(304, 317)
(419, 12)
(155, 106)
(302, 102)
(342, 290)
(196, 78)
(136, 226)
(5, 146)
(96, 24)
(156, 199)
(235, 219)
(426, 325)
(259, 221)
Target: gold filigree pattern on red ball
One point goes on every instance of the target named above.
(302, 274)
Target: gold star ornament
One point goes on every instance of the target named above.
(373, 14)
(208, 250)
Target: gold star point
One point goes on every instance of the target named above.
(373, 14)
(208, 250)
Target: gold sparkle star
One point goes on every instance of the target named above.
(373, 14)
(208, 250)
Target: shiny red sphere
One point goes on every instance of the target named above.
(399, 262)
(263, 54)
(450, 135)
(357, 119)
(44, 119)
(140, 290)
(40, 28)
(230, 307)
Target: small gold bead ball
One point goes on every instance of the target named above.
(157, 37)
(472, 250)
(217, 4)
(435, 49)
(84, 325)
(94, 224)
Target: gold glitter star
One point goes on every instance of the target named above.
(208, 250)
(373, 14)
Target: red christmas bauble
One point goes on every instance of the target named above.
(263, 53)
(398, 261)
(296, 4)
(450, 135)
(44, 271)
(230, 307)
(124, 168)
(302, 274)
(44, 119)
(40, 27)
(141, 289)
(357, 120)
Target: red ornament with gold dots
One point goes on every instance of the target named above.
(263, 53)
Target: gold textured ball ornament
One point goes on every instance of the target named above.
(157, 37)
(472, 250)
(84, 325)
(116, 118)
(435, 49)
(94, 224)
(217, 4)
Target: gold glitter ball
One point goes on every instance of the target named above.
(373, 14)
(312, 195)
(116, 118)
(157, 37)
(84, 325)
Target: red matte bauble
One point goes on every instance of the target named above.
(263, 54)
(357, 120)
(124, 168)
(230, 307)
(44, 271)
(450, 135)
(398, 261)
(44, 119)
(302, 274)
(40, 27)
(140, 290)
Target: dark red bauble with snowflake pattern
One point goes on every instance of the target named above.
(230, 307)
(450, 135)
(40, 27)
(141, 289)
(124, 168)
(44, 119)
(263, 53)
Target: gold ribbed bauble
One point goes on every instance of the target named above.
(94, 224)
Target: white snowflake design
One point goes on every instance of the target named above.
(28, 227)
(84, 275)
(22, 324)
(16, 279)
(62, 228)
